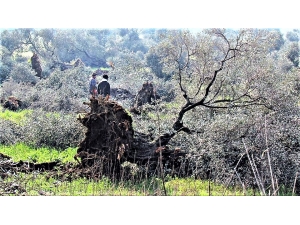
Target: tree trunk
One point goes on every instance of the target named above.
(110, 141)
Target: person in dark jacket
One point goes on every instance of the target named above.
(104, 87)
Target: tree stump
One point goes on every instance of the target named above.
(109, 137)
(12, 103)
(110, 141)
(36, 65)
(147, 95)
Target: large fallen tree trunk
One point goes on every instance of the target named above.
(111, 141)
(9, 167)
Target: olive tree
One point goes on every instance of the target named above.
(239, 107)
(216, 69)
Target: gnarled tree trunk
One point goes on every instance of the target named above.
(110, 141)
(36, 65)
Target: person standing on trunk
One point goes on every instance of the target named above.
(93, 85)
(104, 87)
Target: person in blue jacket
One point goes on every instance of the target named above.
(93, 85)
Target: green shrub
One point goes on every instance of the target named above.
(22, 73)
(10, 132)
(57, 130)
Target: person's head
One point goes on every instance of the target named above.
(105, 76)
(94, 75)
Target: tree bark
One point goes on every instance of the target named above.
(110, 141)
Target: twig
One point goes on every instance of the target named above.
(295, 183)
(277, 188)
(244, 189)
(268, 155)
(255, 167)
(234, 169)
(160, 155)
(262, 191)
(209, 189)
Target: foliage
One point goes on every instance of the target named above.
(154, 62)
(278, 41)
(293, 35)
(216, 69)
(221, 139)
(56, 130)
(293, 54)
(10, 132)
(41, 129)
(23, 73)
(6, 64)
(61, 91)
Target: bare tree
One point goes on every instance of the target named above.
(217, 68)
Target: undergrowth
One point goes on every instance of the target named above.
(39, 184)
(47, 183)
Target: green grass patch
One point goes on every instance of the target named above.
(105, 68)
(37, 184)
(48, 183)
(162, 116)
(163, 112)
(37, 155)
(17, 117)
(53, 184)
(172, 105)
(196, 187)
(84, 187)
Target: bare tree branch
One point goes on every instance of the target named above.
(235, 100)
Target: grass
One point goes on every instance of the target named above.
(196, 187)
(39, 184)
(36, 183)
(162, 112)
(17, 117)
(162, 116)
(24, 152)
(81, 187)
